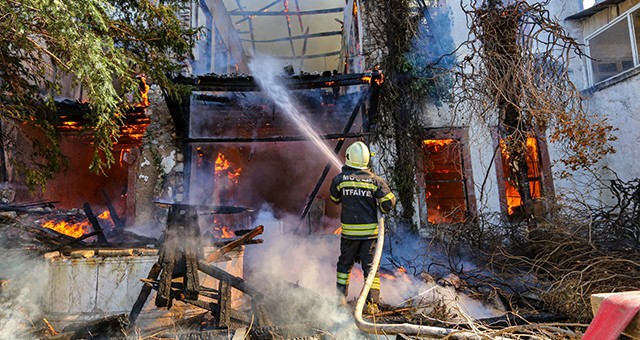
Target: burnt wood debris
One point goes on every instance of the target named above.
(175, 275)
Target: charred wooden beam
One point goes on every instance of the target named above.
(230, 83)
(168, 259)
(235, 282)
(72, 242)
(223, 315)
(47, 235)
(228, 33)
(144, 293)
(301, 36)
(180, 296)
(251, 32)
(94, 223)
(179, 286)
(113, 326)
(330, 136)
(219, 244)
(192, 251)
(241, 285)
(228, 247)
(260, 10)
(285, 13)
(310, 56)
(117, 221)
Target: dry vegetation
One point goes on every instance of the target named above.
(513, 73)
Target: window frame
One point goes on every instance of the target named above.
(627, 15)
(462, 137)
(547, 190)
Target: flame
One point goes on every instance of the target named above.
(444, 190)
(387, 276)
(330, 83)
(222, 164)
(514, 201)
(286, 10)
(338, 231)
(71, 229)
(438, 144)
(143, 88)
(105, 215)
(378, 80)
(223, 232)
(400, 273)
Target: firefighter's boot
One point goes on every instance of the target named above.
(373, 298)
(371, 308)
(342, 292)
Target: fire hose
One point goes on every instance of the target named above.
(405, 328)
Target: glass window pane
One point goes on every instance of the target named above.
(636, 28)
(611, 51)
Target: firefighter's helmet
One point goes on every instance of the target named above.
(358, 155)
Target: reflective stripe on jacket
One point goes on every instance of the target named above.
(361, 193)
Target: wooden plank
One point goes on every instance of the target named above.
(94, 223)
(192, 254)
(144, 293)
(168, 257)
(229, 35)
(224, 304)
(304, 36)
(241, 285)
(117, 221)
(284, 13)
(331, 136)
(228, 247)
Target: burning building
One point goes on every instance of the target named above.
(229, 148)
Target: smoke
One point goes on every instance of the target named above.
(26, 284)
(296, 271)
(265, 71)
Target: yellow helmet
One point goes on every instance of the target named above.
(358, 155)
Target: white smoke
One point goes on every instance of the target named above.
(296, 270)
(265, 70)
(291, 255)
(26, 284)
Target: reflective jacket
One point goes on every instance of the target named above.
(361, 192)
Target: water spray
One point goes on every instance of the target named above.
(265, 74)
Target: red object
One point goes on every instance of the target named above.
(612, 317)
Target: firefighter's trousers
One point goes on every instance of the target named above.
(350, 251)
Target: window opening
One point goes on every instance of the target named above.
(514, 200)
(614, 49)
(444, 179)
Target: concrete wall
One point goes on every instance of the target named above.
(93, 284)
(616, 100)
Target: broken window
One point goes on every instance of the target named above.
(511, 194)
(444, 181)
(614, 48)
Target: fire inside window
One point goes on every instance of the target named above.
(514, 201)
(444, 181)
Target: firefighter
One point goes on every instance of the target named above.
(361, 193)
